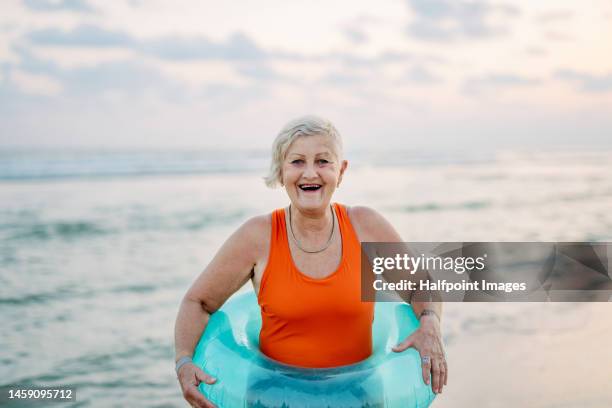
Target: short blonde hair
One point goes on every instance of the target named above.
(309, 125)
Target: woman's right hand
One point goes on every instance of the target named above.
(190, 376)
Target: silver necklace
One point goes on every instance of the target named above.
(329, 240)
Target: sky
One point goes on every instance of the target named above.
(390, 74)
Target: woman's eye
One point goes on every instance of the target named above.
(323, 161)
(297, 161)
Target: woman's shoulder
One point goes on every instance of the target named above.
(370, 225)
(364, 218)
(361, 212)
(254, 235)
(256, 227)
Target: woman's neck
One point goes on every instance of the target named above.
(311, 222)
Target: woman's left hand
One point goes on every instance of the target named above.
(427, 339)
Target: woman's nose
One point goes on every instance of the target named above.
(310, 171)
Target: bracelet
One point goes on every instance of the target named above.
(427, 312)
(181, 362)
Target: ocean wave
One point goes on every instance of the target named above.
(436, 206)
(137, 288)
(54, 229)
(474, 205)
(32, 229)
(61, 293)
(71, 292)
(60, 165)
(76, 371)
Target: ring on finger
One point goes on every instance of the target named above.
(426, 359)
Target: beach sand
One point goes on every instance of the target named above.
(530, 354)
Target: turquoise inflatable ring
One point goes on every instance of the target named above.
(229, 351)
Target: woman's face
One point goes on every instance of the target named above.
(311, 172)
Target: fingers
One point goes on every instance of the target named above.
(426, 367)
(435, 371)
(445, 372)
(408, 342)
(190, 378)
(196, 399)
(433, 365)
(443, 366)
(433, 362)
(436, 376)
(202, 376)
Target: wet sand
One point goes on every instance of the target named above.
(532, 354)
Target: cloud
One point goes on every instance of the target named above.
(343, 78)
(127, 76)
(496, 81)
(446, 20)
(422, 75)
(35, 84)
(187, 67)
(557, 36)
(62, 5)
(84, 35)
(259, 71)
(32, 64)
(356, 29)
(356, 35)
(123, 76)
(236, 47)
(586, 82)
(554, 16)
(74, 57)
(137, 78)
(536, 51)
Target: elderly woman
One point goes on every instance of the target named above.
(304, 263)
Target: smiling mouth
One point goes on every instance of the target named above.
(309, 187)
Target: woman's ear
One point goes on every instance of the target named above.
(343, 167)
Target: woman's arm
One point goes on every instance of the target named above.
(228, 271)
(370, 226)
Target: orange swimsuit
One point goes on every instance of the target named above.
(312, 322)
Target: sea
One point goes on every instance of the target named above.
(98, 247)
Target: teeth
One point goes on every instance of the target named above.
(309, 186)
